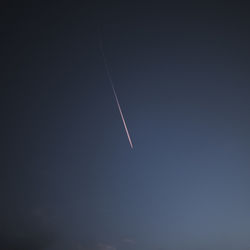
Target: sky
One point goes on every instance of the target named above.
(69, 178)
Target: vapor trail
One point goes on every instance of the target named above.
(113, 88)
(123, 120)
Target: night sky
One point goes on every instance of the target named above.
(69, 178)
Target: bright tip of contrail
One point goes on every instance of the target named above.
(123, 120)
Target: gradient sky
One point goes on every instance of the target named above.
(69, 179)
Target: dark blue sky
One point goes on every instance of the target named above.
(69, 179)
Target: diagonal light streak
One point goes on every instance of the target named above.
(116, 98)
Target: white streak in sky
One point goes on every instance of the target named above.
(116, 98)
(123, 120)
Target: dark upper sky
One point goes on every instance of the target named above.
(69, 179)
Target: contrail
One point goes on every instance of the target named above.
(113, 88)
(123, 120)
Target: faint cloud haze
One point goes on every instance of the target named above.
(128, 241)
(102, 246)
